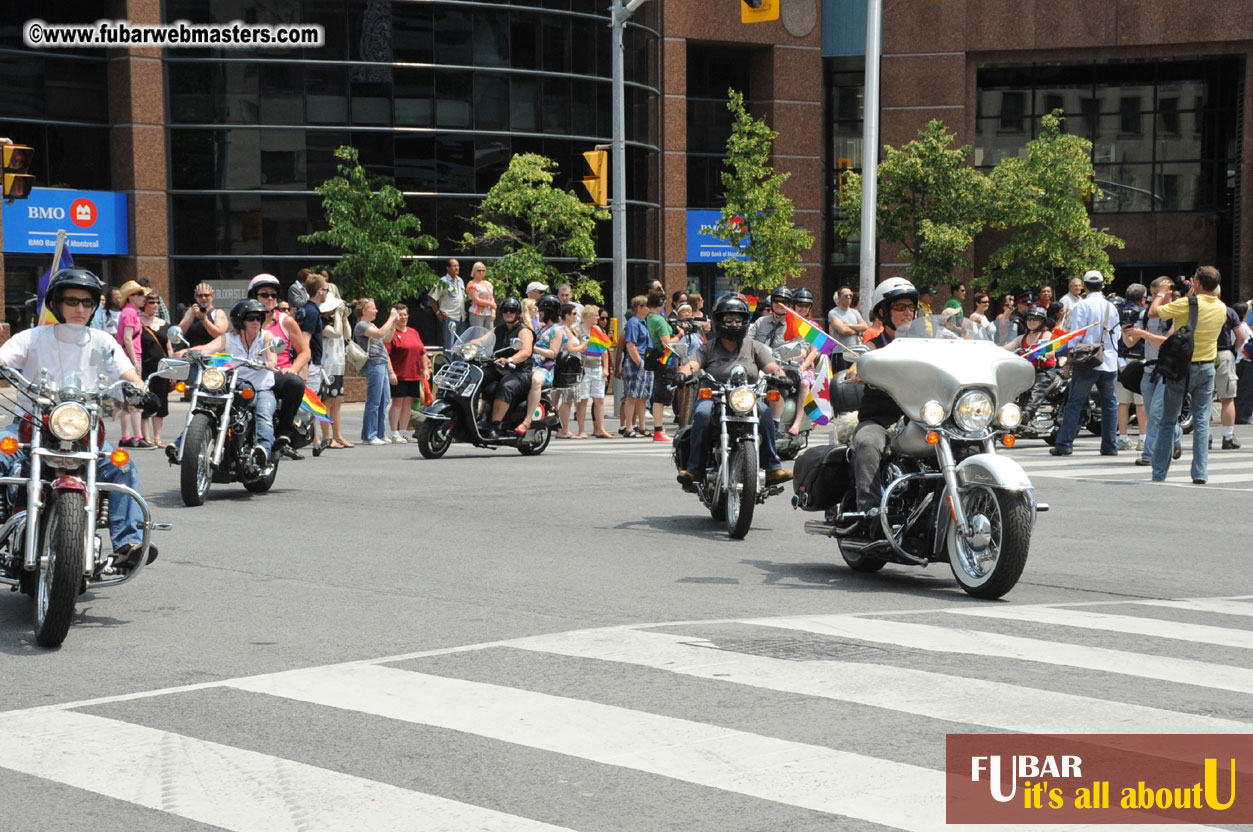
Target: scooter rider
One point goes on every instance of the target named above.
(771, 329)
(718, 356)
(72, 298)
(247, 339)
(893, 303)
(510, 384)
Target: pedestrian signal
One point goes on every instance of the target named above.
(598, 183)
(17, 182)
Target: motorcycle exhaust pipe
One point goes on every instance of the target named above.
(819, 527)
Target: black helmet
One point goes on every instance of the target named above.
(803, 296)
(510, 305)
(549, 306)
(726, 306)
(783, 295)
(1037, 312)
(70, 279)
(244, 307)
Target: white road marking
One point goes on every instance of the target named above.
(936, 695)
(223, 786)
(1225, 606)
(808, 776)
(1131, 625)
(995, 645)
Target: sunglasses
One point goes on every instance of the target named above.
(205, 295)
(254, 318)
(85, 303)
(903, 307)
(150, 302)
(267, 294)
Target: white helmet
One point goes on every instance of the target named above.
(892, 289)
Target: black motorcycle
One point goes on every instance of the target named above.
(460, 405)
(220, 434)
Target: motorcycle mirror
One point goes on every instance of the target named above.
(176, 337)
(278, 344)
(175, 369)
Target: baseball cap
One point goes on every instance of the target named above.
(1092, 277)
(535, 286)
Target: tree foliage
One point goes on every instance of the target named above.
(756, 207)
(379, 241)
(1039, 199)
(530, 222)
(930, 201)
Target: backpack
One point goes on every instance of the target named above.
(1174, 359)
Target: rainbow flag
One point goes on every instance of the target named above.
(752, 304)
(597, 343)
(314, 405)
(668, 357)
(814, 412)
(221, 360)
(798, 327)
(1056, 344)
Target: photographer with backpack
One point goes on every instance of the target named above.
(1186, 364)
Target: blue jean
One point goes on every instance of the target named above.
(124, 513)
(1154, 400)
(1200, 383)
(1081, 382)
(263, 406)
(702, 416)
(374, 425)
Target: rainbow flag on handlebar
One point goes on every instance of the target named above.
(798, 327)
(221, 360)
(314, 405)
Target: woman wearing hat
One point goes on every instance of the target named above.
(129, 334)
(335, 331)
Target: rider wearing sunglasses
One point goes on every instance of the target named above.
(289, 383)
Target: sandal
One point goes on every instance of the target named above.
(605, 435)
(337, 445)
(579, 436)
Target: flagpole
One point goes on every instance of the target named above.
(1047, 344)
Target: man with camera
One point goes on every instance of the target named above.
(202, 322)
(1130, 350)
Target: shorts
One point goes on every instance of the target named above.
(1126, 396)
(662, 393)
(332, 388)
(592, 386)
(638, 381)
(315, 377)
(1225, 375)
(407, 389)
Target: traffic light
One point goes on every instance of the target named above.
(17, 181)
(598, 183)
(758, 11)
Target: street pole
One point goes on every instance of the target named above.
(621, 12)
(870, 156)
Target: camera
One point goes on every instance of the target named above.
(1130, 316)
(203, 308)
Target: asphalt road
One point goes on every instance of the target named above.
(569, 641)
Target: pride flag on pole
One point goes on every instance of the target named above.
(668, 357)
(61, 259)
(752, 303)
(597, 343)
(798, 327)
(818, 402)
(314, 405)
(1057, 343)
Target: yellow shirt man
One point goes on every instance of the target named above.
(1211, 314)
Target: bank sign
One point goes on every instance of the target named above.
(94, 222)
(702, 246)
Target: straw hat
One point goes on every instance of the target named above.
(132, 287)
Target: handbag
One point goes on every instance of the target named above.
(354, 355)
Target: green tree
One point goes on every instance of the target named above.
(930, 201)
(530, 221)
(1039, 199)
(757, 208)
(365, 220)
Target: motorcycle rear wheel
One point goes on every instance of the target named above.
(994, 569)
(434, 438)
(539, 445)
(62, 541)
(742, 497)
(196, 470)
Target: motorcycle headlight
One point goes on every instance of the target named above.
(933, 414)
(742, 400)
(1009, 416)
(973, 411)
(213, 380)
(69, 421)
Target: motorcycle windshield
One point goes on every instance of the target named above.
(486, 338)
(938, 357)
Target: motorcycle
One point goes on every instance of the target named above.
(51, 539)
(790, 356)
(459, 406)
(733, 483)
(220, 432)
(946, 493)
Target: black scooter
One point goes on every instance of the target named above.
(459, 407)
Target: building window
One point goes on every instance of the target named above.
(711, 71)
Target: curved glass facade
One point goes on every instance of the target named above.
(436, 96)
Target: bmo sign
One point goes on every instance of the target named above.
(94, 222)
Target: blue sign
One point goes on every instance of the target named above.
(94, 222)
(702, 246)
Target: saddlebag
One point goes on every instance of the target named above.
(682, 445)
(821, 476)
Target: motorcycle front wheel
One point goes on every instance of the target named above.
(196, 471)
(62, 542)
(434, 438)
(741, 498)
(989, 562)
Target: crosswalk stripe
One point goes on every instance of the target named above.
(223, 786)
(1130, 625)
(752, 764)
(938, 696)
(937, 639)
(1225, 606)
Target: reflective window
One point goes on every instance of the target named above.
(491, 102)
(453, 37)
(415, 163)
(454, 97)
(491, 38)
(414, 101)
(413, 35)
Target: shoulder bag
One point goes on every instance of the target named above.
(1091, 356)
(1174, 359)
(354, 355)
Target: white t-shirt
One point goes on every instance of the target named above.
(64, 350)
(848, 316)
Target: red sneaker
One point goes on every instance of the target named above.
(660, 436)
